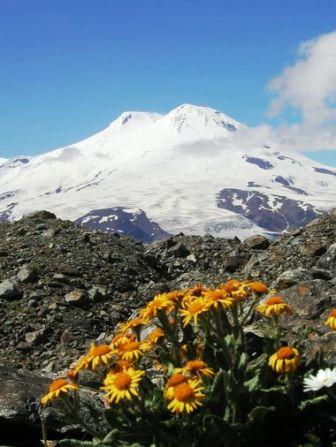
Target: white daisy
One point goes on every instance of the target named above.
(324, 377)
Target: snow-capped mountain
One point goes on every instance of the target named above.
(183, 170)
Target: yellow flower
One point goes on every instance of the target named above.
(274, 306)
(231, 285)
(176, 379)
(155, 336)
(331, 320)
(237, 289)
(71, 375)
(98, 355)
(56, 388)
(218, 298)
(123, 385)
(285, 360)
(131, 324)
(159, 302)
(194, 309)
(176, 296)
(122, 338)
(197, 368)
(241, 293)
(258, 287)
(79, 365)
(133, 350)
(196, 291)
(187, 397)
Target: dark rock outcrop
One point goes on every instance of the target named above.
(263, 164)
(20, 424)
(120, 220)
(274, 213)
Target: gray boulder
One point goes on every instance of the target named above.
(9, 289)
(291, 277)
(27, 274)
(257, 242)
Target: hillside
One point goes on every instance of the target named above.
(63, 286)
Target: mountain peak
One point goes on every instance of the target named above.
(189, 115)
(135, 118)
(185, 116)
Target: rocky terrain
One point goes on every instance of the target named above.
(63, 286)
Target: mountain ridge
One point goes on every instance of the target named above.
(175, 168)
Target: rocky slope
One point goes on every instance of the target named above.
(62, 286)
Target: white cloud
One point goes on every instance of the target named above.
(309, 87)
(244, 139)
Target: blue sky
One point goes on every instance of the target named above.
(69, 67)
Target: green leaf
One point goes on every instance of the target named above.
(216, 388)
(258, 414)
(170, 369)
(274, 389)
(252, 384)
(315, 401)
(77, 443)
(112, 436)
(230, 340)
(165, 323)
(243, 361)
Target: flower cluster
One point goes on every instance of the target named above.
(182, 349)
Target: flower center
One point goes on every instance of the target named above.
(217, 295)
(176, 379)
(258, 287)
(122, 380)
(195, 307)
(195, 365)
(285, 353)
(100, 350)
(274, 300)
(231, 285)
(183, 392)
(57, 384)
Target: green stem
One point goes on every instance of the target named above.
(276, 332)
(250, 310)
(221, 337)
(171, 335)
(235, 321)
(44, 432)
